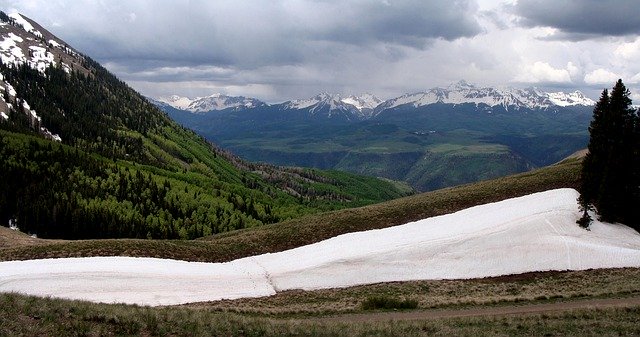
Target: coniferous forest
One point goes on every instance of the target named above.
(611, 168)
(124, 169)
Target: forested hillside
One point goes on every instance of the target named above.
(82, 155)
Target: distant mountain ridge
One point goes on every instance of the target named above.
(437, 138)
(366, 106)
(508, 98)
(210, 103)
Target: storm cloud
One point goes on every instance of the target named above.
(582, 19)
(286, 49)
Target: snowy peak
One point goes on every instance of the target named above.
(176, 101)
(26, 25)
(351, 107)
(509, 98)
(213, 102)
(568, 99)
(362, 102)
(320, 99)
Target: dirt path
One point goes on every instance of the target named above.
(485, 311)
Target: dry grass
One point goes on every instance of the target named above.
(530, 287)
(10, 238)
(29, 316)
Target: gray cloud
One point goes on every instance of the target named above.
(255, 33)
(582, 19)
(283, 49)
(287, 43)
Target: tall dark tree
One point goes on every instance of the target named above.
(610, 178)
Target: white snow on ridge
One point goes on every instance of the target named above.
(25, 24)
(209, 103)
(568, 99)
(465, 93)
(176, 101)
(531, 233)
(364, 101)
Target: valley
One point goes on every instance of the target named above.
(440, 138)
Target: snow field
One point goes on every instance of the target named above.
(531, 233)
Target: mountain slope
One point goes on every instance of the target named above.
(85, 156)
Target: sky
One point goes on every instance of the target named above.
(288, 49)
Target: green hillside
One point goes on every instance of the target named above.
(312, 228)
(123, 169)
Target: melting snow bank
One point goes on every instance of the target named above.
(146, 281)
(531, 233)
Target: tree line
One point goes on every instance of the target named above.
(611, 169)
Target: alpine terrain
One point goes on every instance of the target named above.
(123, 222)
(82, 155)
(432, 139)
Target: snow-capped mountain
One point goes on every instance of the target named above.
(367, 106)
(351, 107)
(569, 99)
(363, 102)
(23, 41)
(509, 98)
(210, 103)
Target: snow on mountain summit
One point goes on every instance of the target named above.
(357, 107)
(366, 106)
(364, 101)
(509, 98)
(568, 99)
(210, 103)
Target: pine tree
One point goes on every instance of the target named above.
(610, 178)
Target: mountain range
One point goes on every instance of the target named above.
(432, 139)
(367, 106)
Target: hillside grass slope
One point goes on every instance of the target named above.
(314, 228)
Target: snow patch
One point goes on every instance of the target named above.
(4, 115)
(10, 52)
(25, 24)
(10, 90)
(33, 114)
(47, 134)
(488, 240)
(41, 59)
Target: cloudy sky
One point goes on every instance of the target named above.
(283, 49)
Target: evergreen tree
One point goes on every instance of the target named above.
(610, 178)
